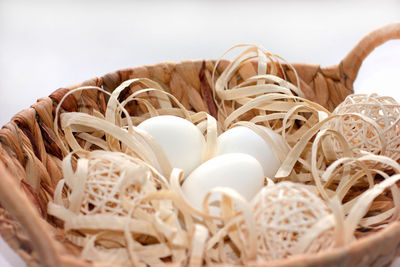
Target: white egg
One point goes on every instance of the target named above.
(244, 140)
(182, 142)
(237, 171)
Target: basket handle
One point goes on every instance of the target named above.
(351, 64)
(18, 205)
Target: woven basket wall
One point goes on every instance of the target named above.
(27, 149)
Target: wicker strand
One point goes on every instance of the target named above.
(14, 200)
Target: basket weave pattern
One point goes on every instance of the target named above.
(28, 151)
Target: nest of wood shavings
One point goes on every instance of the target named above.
(121, 201)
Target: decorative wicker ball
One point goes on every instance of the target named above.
(286, 217)
(111, 178)
(376, 131)
(105, 211)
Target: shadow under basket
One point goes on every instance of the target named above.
(28, 151)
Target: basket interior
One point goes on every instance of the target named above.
(29, 145)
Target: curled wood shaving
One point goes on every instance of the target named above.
(230, 94)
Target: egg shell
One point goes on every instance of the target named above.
(244, 140)
(237, 171)
(182, 142)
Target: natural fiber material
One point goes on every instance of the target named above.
(31, 152)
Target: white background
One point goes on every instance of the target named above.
(45, 45)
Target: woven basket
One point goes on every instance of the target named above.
(28, 149)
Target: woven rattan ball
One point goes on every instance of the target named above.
(110, 178)
(111, 210)
(288, 221)
(376, 130)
